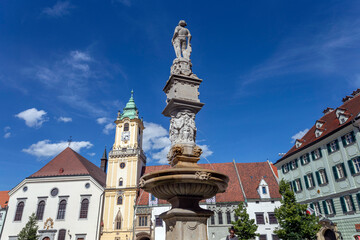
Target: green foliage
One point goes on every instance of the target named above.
(245, 227)
(29, 232)
(294, 222)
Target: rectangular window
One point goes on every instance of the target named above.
(285, 168)
(212, 220)
(333, 146)
(339, 171)
(158, 221)
(347, 204)
(329, 207)
(316, 154)
(309, 180)
(293, 164)
(228, 217)
(305, 159)
(236, 217)
(297, 187)
(354, 165)
(323, 176)
(260, 218)
(220, 217)
(275, 237)
(143, 221)
(272, 218)
(264, 190)
(262, 237)
(348, 139)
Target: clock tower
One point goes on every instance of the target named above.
(126, 161)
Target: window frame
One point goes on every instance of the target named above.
(262, 220)
(228, 217)
(19, 211)
(220, 218)
(348, 139)
(84, 208)
(119, 200)
(159, 221)
(333, 146)
(40, 210)
(272, 217)
(62, 237)
(339, 172)
(61, 210)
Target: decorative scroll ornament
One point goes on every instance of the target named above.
(182, 128)
(49, 223)
(202, 175)
(197, 151)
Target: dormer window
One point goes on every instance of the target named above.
(343, 118)
(339, 111)
(298, 143)
(263, 189)
(319, 124)
(318, 132)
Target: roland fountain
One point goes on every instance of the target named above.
(185, 183)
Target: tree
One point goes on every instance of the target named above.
(294, 222)
(29, 232)
(245, 227)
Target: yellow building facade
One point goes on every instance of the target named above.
(125, 165)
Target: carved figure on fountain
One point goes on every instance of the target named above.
(182, 128)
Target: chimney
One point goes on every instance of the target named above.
(104, 161)
(356, 92)
(328, 110)
(347, 98)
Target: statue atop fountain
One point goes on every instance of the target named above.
(185, 184)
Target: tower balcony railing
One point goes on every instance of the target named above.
(125, 152)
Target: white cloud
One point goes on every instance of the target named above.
(156, 143)
(80, 56)
(59, 9)
(91, 154)
(65, 119)
(46, 149)
(33, 117)
(299, 135)
(7, 132)
(108, 124)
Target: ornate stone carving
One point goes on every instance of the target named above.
(203, 175)
(141, 182)
(192, 228)
(182, 128)
(197, 151)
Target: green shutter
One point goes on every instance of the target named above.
(343, 166)
(319, 207)
(358, 199)
(296, 163)
(318, 177)
(352, 203)
(308, 157)
(333, 206)
(328, 148)
(312, 206)
(343, 205)
(353, 136)
(351, 167)
(325, 207)
(302, 160)
(320, 152)
(335, 173)
(337, 144)
(313, 155)
(282, 169)
(343, 141)
(300, 184)
(326, 178)
(306, 181)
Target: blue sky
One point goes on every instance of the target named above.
(269, 68)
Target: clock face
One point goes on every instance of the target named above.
(125, 136)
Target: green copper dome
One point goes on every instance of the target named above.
(130, 110)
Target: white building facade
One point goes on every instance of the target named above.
(66, 196)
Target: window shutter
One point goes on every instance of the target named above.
(328, 148)
(325, 207)
(295, 186)
(333, 206)
(343, 166)
(308, 157)
(312, 206)
(343, 141)
(302, 160)
(320, 152)
(282, 168)
(313, 179)
(306, 181)
(296, 163)
(313, 155)
(300, 185)
(319, 207)
(343, 206)
(289, 166)
(352, 203)
(351, 167)
(318, 177)
(326, 178)
(335, 173)
(353, 136)
(337, 143)
(358, 199)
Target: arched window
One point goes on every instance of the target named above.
(120, 182)
(19, 211)
(40, 210)
(228, 217)
(120, 200)
(62, 209)
(126, 127)
(62, 234)
(220, 217)
(84, 208)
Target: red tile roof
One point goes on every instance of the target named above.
(331, 125)
(233, 193)
(4, 198)
(70, 163)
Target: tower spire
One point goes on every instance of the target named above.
(104, 161)
(130, 110)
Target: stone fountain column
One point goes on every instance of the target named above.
(185, 184)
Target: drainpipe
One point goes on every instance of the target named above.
(241, 186)
(101, 206)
